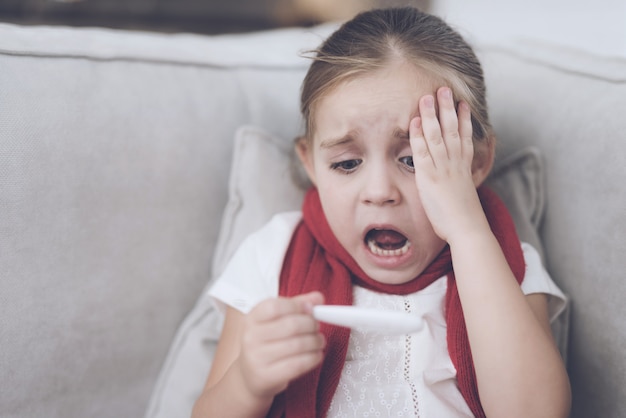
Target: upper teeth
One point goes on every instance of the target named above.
(388, 253)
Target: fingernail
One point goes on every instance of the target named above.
(308, 307)
(429, 101)
(446, 93)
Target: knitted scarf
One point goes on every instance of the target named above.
(315, 260)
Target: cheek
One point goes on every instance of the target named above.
(337, 202)
(416, 208)
(333, 198)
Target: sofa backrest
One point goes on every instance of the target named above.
(570, 105)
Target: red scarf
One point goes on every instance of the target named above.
(315, 260)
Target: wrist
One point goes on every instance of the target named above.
(251, 395)
(472, 236)
(476, 239)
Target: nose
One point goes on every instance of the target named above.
(380, 187)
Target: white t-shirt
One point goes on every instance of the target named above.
(384, 375)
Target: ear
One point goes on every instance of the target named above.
(305, 155)
(484, 156)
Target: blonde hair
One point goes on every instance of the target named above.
(374, 38)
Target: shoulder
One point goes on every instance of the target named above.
(253, 272)
(278, 229)
(538, 280)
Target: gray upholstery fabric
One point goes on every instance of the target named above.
(571, 106)
(114, 163)
(115, 150)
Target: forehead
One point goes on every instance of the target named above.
(396, 77)
(386, 96)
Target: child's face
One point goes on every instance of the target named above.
(360, 161)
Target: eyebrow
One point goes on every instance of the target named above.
(334, 142)
(401, 134)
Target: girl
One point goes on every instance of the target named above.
(397, 145)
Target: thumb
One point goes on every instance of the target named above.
(310, 299)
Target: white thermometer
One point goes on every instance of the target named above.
(364, 319)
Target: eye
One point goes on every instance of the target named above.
(408, 161)
(346, 166)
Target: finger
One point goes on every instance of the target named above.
(310, 299)
(268, 355)
(449, 122)
(431, 129)
(272, 366)
(271, 309)
(276, 351)
(288, 326)
(465, 131)
(289, 368)
(419, 147)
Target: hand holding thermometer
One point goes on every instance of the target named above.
(383, 322)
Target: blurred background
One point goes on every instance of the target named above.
(200, 16)
(598, 26)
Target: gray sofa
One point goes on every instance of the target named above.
(115, 173)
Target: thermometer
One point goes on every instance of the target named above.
(364, 319)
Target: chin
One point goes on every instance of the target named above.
(390, 276)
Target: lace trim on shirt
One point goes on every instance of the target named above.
(407, 363)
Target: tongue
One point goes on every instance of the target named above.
(387, 239)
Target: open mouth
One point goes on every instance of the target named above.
(387, 242)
